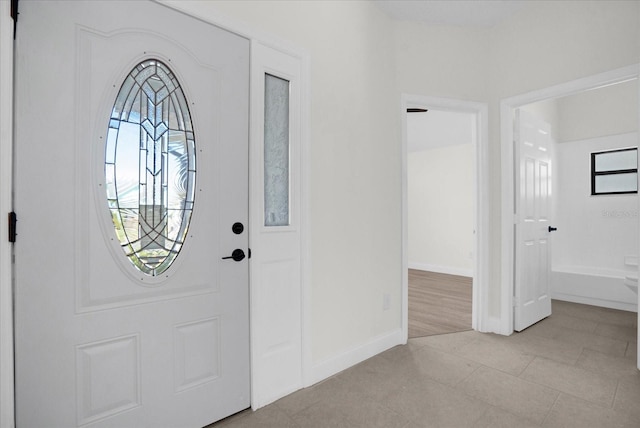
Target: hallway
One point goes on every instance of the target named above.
(573, 369)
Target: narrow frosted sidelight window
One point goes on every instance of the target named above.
(276, 151)
(150, 167)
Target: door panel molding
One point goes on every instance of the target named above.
(93, 211)
(142, 353)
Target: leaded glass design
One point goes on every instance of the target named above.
(150, 167)
(276, 151)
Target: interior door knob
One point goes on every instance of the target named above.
(237, 255)
(552, 229)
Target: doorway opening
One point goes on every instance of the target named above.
(581, 217)
(440, 170)
(460, 137)
(609, 250)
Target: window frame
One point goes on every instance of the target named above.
(266, 223)
(595, 173)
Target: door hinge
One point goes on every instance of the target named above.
(13, 219)
(14, 16)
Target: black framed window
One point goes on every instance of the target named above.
(614, 172)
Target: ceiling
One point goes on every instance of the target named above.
(474, 13)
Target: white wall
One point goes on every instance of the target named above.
(604, 111)
(596, 234)
(440, 190)
(439, 128)
(601, 119)
(441, 212)
(442, 61)
(361, 62)
(547, 111)
(593, 231)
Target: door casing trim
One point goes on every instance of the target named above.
(7, 417)
(480, 301)
(507, 108)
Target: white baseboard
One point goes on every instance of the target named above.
(623, 306)
(353, 356)
(441, 269)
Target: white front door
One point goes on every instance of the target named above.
(131, 171)
(532, 295)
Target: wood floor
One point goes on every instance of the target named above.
(438, 303)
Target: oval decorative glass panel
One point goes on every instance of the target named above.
(150, 167)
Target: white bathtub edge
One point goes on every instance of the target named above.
(593, 287)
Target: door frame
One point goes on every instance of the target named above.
(7, 398)
(507, 108)
(6, 205)
(480, 299)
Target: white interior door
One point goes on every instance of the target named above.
(532, 296)
(111, 328)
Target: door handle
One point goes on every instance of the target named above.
(552, 229)
(237, 255)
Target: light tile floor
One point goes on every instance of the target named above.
(577, 368)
